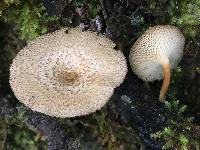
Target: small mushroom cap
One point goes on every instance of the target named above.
(159, 44)
(67, 74)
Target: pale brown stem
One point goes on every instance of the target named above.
(166, 81)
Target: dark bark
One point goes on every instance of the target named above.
(46, 125)
(146, 115)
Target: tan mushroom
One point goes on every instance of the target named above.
(155, 53)
(67, 74)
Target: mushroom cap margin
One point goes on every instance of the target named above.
(101, 69)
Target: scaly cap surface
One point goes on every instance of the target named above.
(67, 74)
(152, 49)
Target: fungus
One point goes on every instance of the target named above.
(67, 74)
(155, 53)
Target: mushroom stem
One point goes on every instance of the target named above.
(166, 81)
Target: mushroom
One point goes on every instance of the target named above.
(67, 74)
(155, 53)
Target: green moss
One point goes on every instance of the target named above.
(111, 134)
(103, 129)
(28, 18)
(30, 22)
(184, 13)
(4, 4)
(21, 138)
(3, 133)
(93, 6)
(15, 136)
(188, 18)
(176, 82)
(190, 13)
(180, 132)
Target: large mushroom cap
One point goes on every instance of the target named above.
(158, 42)
(67, 74)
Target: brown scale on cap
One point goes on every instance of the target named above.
(155, 53)
(67, 75)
